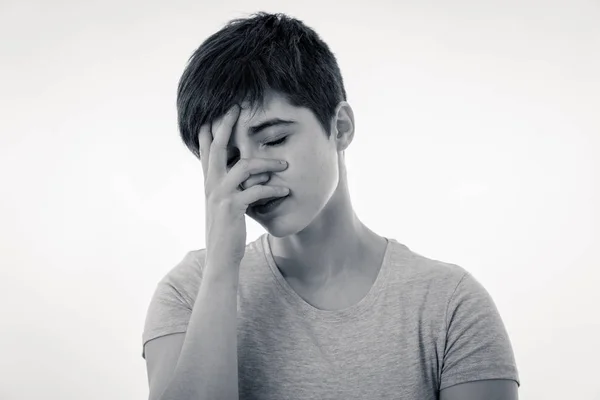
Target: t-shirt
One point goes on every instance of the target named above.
(424, 325)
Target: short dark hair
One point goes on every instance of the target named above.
(247, 58)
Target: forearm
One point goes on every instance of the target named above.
(207, 367)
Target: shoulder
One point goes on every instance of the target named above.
(181, 277)
(192, 264)
(474, 343)
(422, 273)
(186, 276)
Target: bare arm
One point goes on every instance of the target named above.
(207, 366)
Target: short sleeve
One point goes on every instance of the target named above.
(477, 343)
(171, 305)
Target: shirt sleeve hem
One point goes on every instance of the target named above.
(477, 376)
(162, 331)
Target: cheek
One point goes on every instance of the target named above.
(312, 168)
(315, 177)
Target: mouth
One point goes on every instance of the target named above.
(268, 205)
(262, 202)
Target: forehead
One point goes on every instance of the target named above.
(275, 105)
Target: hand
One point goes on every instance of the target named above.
(226, 204)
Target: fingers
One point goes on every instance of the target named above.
(259, 192)
(247, 167)
(221, 131)
(255, 180)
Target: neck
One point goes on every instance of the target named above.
(330, 247)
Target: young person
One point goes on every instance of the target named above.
(320, 306)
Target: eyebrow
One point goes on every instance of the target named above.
(269, 123)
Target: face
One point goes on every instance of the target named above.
(313, 165)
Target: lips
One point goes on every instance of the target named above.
(263, 201)
(269, 205)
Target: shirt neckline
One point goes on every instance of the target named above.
(311, 312)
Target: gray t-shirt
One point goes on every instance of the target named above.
(425, 325)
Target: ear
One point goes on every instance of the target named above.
(342, 130)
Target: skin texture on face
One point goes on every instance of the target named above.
(312, 174)
(315, 237)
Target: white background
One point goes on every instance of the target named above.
(477, 143)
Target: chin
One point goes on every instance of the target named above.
(278, 227)
(282, 227)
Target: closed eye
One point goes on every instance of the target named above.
(269, 144)
(276, 142)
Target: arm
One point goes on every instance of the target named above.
(493, 389)
(206, 367)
